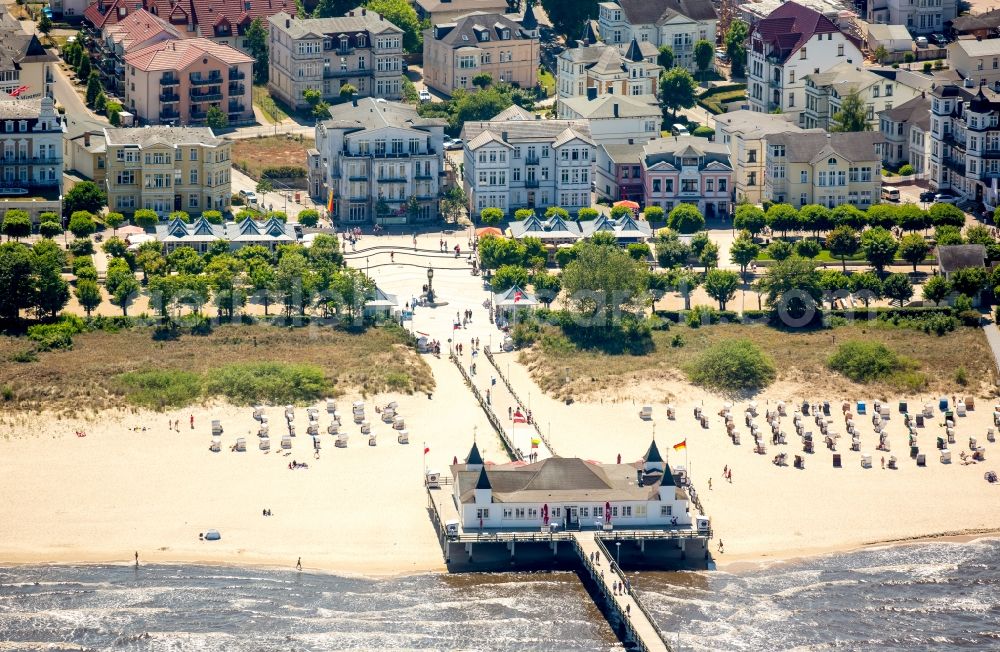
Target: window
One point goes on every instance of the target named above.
(194, 177)
(689, 185)
(709, 185)
(666, 510)
(193, 201)
(627, 511)
(803, 176)
(840, 50)
(598, 512)
(656, 185)
(751, 155)
(722, 185)
(483, 513)
(751, 178)
(802, 53)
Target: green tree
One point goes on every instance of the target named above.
(453, 203)
(114, 220)
(979, 234)
(84, 196)
(16, 224)
(347, 91)
(183, 216)
(808, 248)
(15, 279)
(101, 102)
(256, 46)
(848, 215)
(684, 283)
(721, 285)
(709, 256)
(312, 96)
(750, 218)
(736, 46)
(913, 248)
(547, 286)
(948, 235)
(936, 289)
(45, 24)
(482, 80)
(507, 276)
(81, 224)
(677, 90)
(49, 291)
(792, 287)
(332, 8)
(969, 281)
(881, 54)
(491, 216)
(93, 87)
(185, 260)
(879, 247)
(50, 229)
(214, 217)
(670, 249)
(556, 211)
(146, 218)
(834, 282)
(897, 287)
(704, 53)
(618, 212)
(685, 218)
(292, 281)
(665, 57)
(743, 251)
(780, 250)
(401, 14)
(866, 286)
(843, 242)
(115, 247)
(911, 217)
(603, 282)
(733, 366)
(782, 217)
(215, 118)
(946, 215)
(309, 217)
(814, 218)
(567, 17)
(495, 252)
(226, 281)
(84, 69)
(852, 115)
(525, 213)
(89, 295)
(881, 215)
(650, 214)
(261, 278)
(121, 284)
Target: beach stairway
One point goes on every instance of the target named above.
(626, 605)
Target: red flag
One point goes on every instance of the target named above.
(17, 91)
(518, 296)
(519, 418)
(426, 450)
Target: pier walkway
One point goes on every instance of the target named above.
(626, 605)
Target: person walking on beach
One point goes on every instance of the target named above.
(720, 546)
(710, 484)
(298, 564)
(137, 559)
(192, 422)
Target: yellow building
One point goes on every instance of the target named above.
(166, 169)
(827, 169)
(25, 66)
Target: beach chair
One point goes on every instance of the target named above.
(215, 446)
(291, 428)
(264, 419)
(951, 435)
(885, 413)
(359, 417)
(866, 461)
(960, 409)
(331, 406)
(388, 415)
(399, 423)
(312, 430)
(286, 443)
(262, 431)
(991, 436)
(341, 441)
(289, 412)
(826, 408)
(920, 420)
(264, 444)
(800, 462)
(979, 454)
(736, 438)
(928, 410)
(241, 445)
(358, 406)
(371, 440)
(902, 407)
(856, 444)
(646, 412)
(258, 412)
(807, 446)
(316, 444)
(671, 412)
(704, 422)
(333, 429)
(697, 412)
(862, 407)
(946, 456)
(914, 451)
(973, 445)
(216, 427)
(760, 449)
(366, 428)
(313, 413)
(836, 461)
(940, 443)
(403, 437)
(781, 408)
(921, 460)
(943, 403)
(892, 462)
(970, 403)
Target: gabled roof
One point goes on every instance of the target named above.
(806, 147)
(845, 78)
(540, 131)
(952, 258)
(634, 53)
(362, 20)
(648, 12)
(970, 23)
(139, 27)
(179, 55)
(376, 113)
(508, 296)
(666, 151)
(236, 12)
(162, 135)
(789, 27)
(471, 29)
(514, 112)
(915, 111)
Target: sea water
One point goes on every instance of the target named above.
(930, 596)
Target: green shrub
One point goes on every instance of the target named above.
(283, 172)
(808, 248)
(865, 362)
(81, 247)
(638, 250)
(51, 336)
(267, 382)
(906, 170)
(25, 356)
(160, 388)
(733, 365)
(961, 376)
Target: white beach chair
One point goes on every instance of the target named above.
(359, 417)
(289, 412)
(291, 428)
(341, 441)
(216, 427)
(403, 437)
(399, 423)
(264, 444)
(960, 409)
(331, 406)
(333, 429)
(286, 443)
(945, 456)
(241, 445)
(391, 405)
(781, 408)
(258, 412)
(366, 428)
(371, 439)
(388, 415)
(646, 413)
(263, 430)
(866, 461)
(358, 406)
(991, 435)
(264, 419)
(215, 446)
(312, 429)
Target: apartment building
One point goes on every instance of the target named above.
(224, 22)
(906, 129)
(787, 46)
(677, 23)
(138, 30)
(743, 133)
(448, 11)
(518, 161)
(606, 70)
(31, 134)
(619, 172)
(177, 82)
(26, 68)
(85, 148)
(919, 16)
(975, 60)
(965, 143)
(823, 168)
(382, 162)
(687, 170)
(825, 92)
(502, 46)
(164, 169)
(362, 49)
(615, 118)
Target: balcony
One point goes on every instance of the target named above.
(531, 159)
(358, 197)
(531, 183)
(955, 165)
(205, 81)
(391, 179)
(170, 97)
(169, 81)
(205, 97)
(331, 73)
(31, 160)
(237, 89)
(425, 197)
(235, 75)
(169, 115)
(237, 108)
(423, 175)
(199, 115)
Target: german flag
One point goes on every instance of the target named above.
(681, 446)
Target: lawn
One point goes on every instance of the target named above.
(252, 155)
(714, 103)
(826, 257)
(262, 100)
(547, 80)
(799, 356)
(91, 374)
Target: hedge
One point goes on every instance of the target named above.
(283, 172)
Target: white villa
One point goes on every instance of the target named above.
(201, 234)
(570, 493)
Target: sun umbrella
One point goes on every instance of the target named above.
(488, 230)
(130, 230)
(628, 203)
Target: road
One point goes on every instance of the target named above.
(280, 201)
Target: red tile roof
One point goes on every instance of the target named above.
(205, 14)
(789, 27)
(139, 27)
(178, 55)
(110, 12)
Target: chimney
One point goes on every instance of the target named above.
(364, 12)
(591, 93)
(86, 140)
(615, 106)
(288, 23)
(350, 14)
(503, 135)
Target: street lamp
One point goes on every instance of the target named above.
(618, 553)
(430, 285)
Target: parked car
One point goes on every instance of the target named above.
(939, 40)
(945, 198)
(927, 196)
(921, 41)
(454, 143)
(424, 95)
(678, 129)
(249, 197)
(721, 55)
